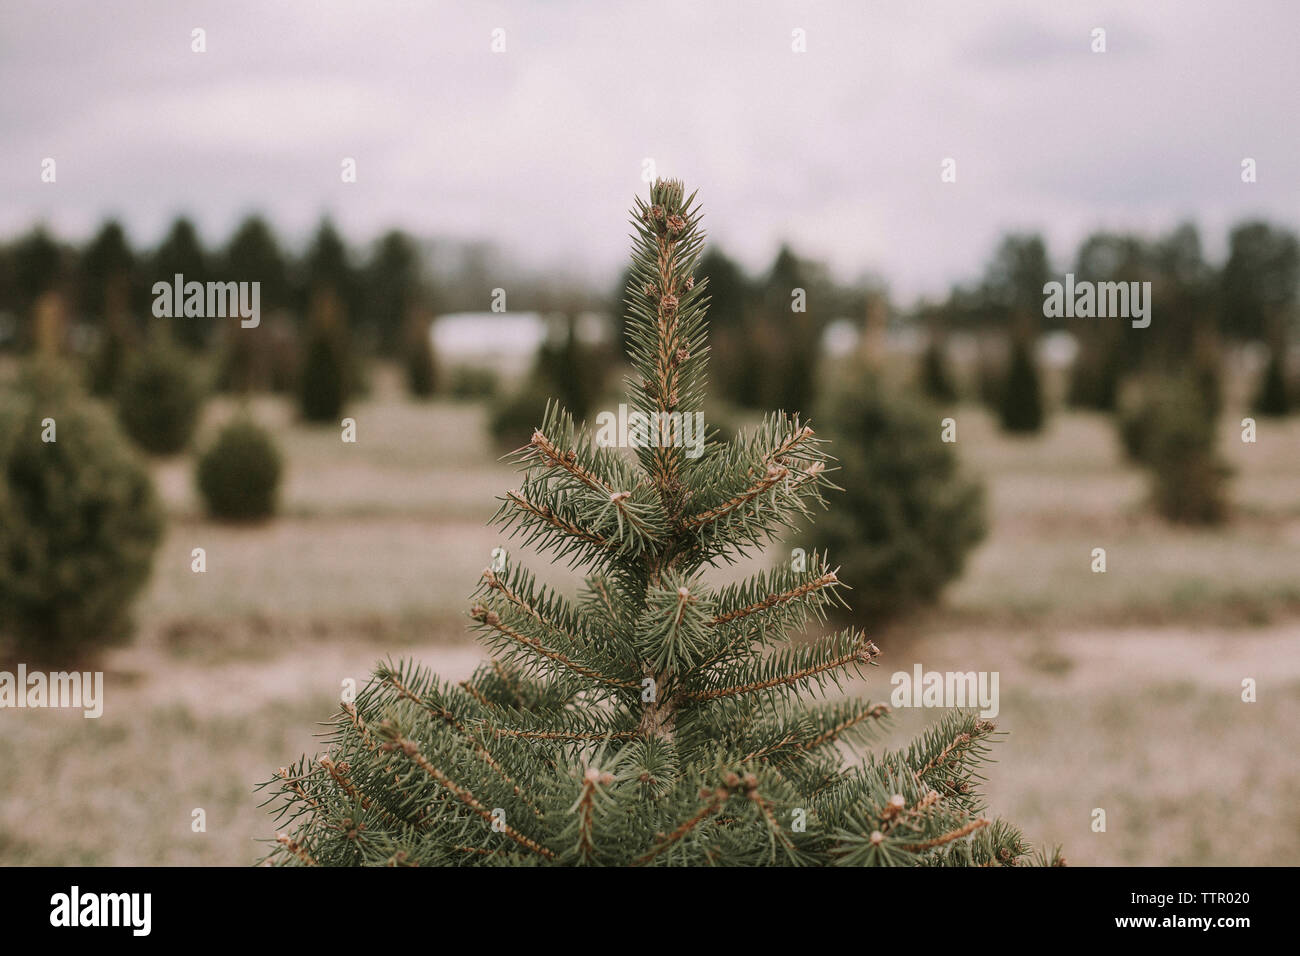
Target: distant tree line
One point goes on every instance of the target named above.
(1250, 296)
(108, 281)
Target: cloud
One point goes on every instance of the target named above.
(541, 148)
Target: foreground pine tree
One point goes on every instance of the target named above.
(654, 719)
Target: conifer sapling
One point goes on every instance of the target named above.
(654, 719)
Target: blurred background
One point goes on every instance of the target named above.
(232, 522)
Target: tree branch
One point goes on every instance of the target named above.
(412, 750)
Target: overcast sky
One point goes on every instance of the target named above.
(540, 148)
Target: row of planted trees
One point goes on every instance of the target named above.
(80, 519)
(107, 281)
(905, 540)
(1196, 310)
(1162, 377)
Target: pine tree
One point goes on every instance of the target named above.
(1021, 401)
(655, 719)
(1271, 397)
(1167, 426)
(159, 399)
(908, 517)
(936, 379)
(1096, 374)
(325, 380)
(80, 521)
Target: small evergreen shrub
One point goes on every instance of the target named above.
(1020, 403)
(239, 474)
(1188, 479)
(159, 400)
(79, 525)
(1271, 398)
(936, 378)
(1168, 428)
(907, 518)
(324, 377)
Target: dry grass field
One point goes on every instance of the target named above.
(1118, 690)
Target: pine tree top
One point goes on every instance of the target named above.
(654, 718)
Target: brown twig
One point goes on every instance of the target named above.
(948, 837)
(875, 713)
(543, 448)
(716, 799)
(551, 518)
(772, 600)
(293, 847)
(475, 744)
(492, 620)
(862, 654)
(412, 750)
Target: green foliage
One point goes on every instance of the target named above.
(391, 282)
(323, 380)
(1168, 427)
(738, 363)
(182, 252)
(327, 271)
(253, 255)
(39, 264)
(653, 719)
(1020, 404)
(239, 474)
(159, 400)
(79, 524)
(109, 360)
(106, 273)
(1014, 280)
(907, 518)
(766, 350)
(1271, 398)
(1095, 377)
(1260, 278)
(936, 377)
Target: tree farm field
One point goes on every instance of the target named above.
(1117, 688)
